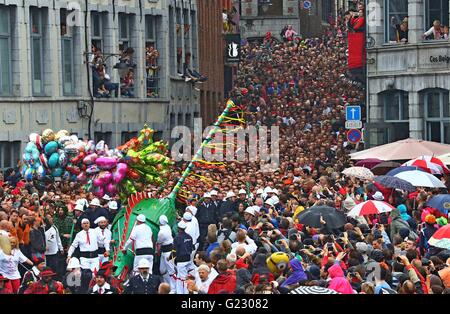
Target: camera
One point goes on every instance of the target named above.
(330, 246)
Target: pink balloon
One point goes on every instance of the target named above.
(106, 162)
(111, 189)
(82, 177)
(90, 159)
(120, 172)
(97, 182)
(105, 177)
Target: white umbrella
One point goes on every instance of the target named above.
(359, 172)
(420, 178)
(370, 208)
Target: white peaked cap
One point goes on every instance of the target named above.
(230, 194)
(95, 202)
(163, 220)
(275, 200)
(143, 263)
(100, 219)
(269, 201)
(73, 263)
(250, 210)
(79, 207)
(112, 205)
(141, 218)
(193, 209)
(187, 216)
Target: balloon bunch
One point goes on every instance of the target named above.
(46, 156)
(124, 170)
(147, 162)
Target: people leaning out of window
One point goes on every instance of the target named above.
(436, 32)
(400, 30)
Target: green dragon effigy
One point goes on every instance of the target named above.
(141, 203)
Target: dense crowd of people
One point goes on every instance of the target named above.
(239, 231)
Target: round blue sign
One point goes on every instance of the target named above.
(306, 5)
(354, 136)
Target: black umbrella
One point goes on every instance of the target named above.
(395, 183)
(385, 167)
(311, 217)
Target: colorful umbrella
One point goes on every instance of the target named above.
(312, 290)
(425, 165)
(368, 162)
(384, 167)
(311, 217)
(370, 208)
(420, 178)
(395, 183)
(359, 172)
(403, 169)
(441, 202)
(435, 161)
(441, 238)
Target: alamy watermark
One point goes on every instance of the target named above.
(229, 144)
(374, 14)
(73, 17)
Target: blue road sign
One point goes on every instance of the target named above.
(353, 113)
(307, 5)
(354, 136)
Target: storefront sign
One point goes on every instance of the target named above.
(440, 59)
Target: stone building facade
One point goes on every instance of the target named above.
(45, 79)
(408, 83)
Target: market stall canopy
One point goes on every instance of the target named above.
(445, 158)
(403, 150)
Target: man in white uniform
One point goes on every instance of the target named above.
(87, 240)
(141, 238)
(53, 243)
(104, 232)
(165, 240)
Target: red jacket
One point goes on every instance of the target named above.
(40, 288)
(223, 283)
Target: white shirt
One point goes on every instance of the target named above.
(141, 235)
(9, 263)
(430, 31)
(203, 286)
(105, 287)
(104, 233)
(165, 235)
(53, 241)
(85, 245)
(4, 233)
(193, 230)
(250, 246)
